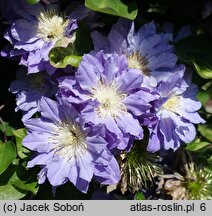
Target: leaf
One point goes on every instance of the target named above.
(117, 7)
(33, 1)
(203, 69)
(7, 155)
(17, 181)
(6, 129)
(8, 192)
(210, 160)
(26, 180)
(197, 50)
(203, 97)
(196, 146)
(63, 60)
(16, 161)
(139, 196)
(60, 57)
(19, 136)
(206, 131)
(33, 186)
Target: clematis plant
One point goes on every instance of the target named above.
(115, 104)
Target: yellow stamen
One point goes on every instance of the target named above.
(137, 61)
(69, 140)
(110, 99)
(51, 26)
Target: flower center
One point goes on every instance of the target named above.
(137, 61)
(172, 104)
(110, 99)
(69, 140)
(51, 26)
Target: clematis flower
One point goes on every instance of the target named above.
(29, 90)
(67, 149)
(184, 32)
(146, 50)
(34, 35)
(110, 96)
(12, 10)
(176, 111)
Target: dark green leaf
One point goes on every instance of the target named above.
(112, 7)
(19, 135)
(6, 129)
(26, 180)
(206, 131)
(60, 60)
(197, 50)
(8, 192)
(7, 155)
(203, 97)
(210, 160)
(33, 186)
(33, 1)
(195, 146)
(7, 174)
(18, 181)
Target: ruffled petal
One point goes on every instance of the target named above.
(130, 125)
(24, 31)
(40, 159)
(49, 109)
(88, 73)
(109, 174)
(137, 103)
(129, 81)
(86, 167)
(58, 170)
(38, 142)
(39, 126)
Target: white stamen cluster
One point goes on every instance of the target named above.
(69, 140)
(51, 26)
(137, 61)
(110, 99)
(173, 104)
